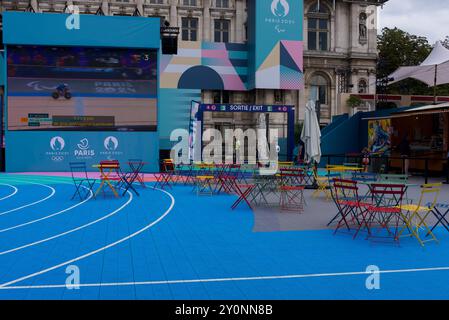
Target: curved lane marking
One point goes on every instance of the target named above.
(53, 191)
(49, 216)
(9, 195)
(100, 249)
(32, 244)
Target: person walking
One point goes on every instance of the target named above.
(298, 153)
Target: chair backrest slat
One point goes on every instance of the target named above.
(429, 190)
(78, 167)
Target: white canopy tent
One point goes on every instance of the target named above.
(433, 71)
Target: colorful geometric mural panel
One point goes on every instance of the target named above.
(206, 65)
(282, 68)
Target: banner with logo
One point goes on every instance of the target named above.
(275, 32)
(53, 151)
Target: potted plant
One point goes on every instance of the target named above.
(353, 103)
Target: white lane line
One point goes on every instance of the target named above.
(32, 244)
(51, 215)
(53, 191)
(9, 195)
(218, 280)
(100, 249)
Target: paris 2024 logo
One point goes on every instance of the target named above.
(280, 8)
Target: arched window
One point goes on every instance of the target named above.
(319, 86)
(363, 86)
(318, 26)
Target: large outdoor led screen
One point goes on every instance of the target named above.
(72, 88)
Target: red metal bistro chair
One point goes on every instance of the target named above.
(226, 183)
(292, 190)
(165, 178)
(244, 192)
(352, 209)
(385, 214)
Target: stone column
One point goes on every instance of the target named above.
(173, 19)
(105, 8)
(139, 4)
(268, 96)
(35, 5)
(301, 105)
(353, 26)
(239, 21)
(333, 102)
(206, 21)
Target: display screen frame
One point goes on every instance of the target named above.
(147, 100)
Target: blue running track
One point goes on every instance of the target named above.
(174, 245)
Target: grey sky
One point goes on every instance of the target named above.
(427, 18)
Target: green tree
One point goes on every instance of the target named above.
(354, 102)
(446, 42)
(398, 48)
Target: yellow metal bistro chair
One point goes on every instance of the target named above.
(415, 215)
(323, 186)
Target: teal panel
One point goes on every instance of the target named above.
(41, 151)
(269, 23)
(98, 31)
(174, 112)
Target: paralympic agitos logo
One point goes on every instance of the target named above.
(111, 147)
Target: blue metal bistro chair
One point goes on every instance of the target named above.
(83, 184)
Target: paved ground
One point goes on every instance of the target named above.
(320, 211)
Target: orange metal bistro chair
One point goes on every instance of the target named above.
(109, 176)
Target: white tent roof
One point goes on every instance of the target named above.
(422, 110)
(428, 107)
(438, 55)
(425, 72)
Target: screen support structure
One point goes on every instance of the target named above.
(267, 109)
(2, 131)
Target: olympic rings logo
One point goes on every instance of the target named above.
(57, 158)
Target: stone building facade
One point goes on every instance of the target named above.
(339, 45)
